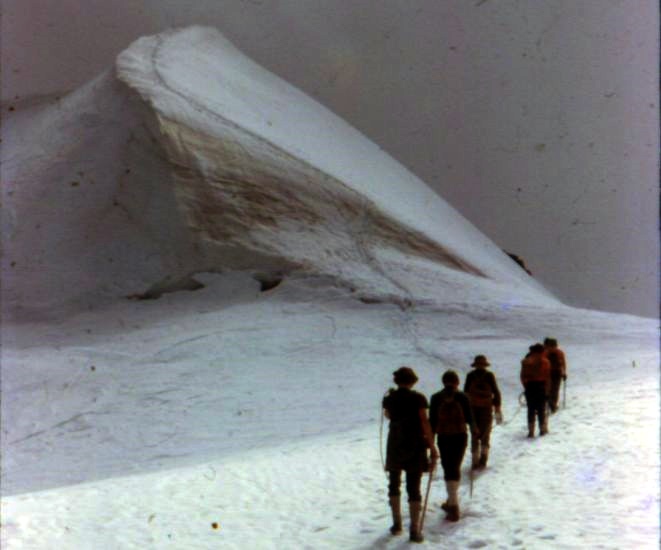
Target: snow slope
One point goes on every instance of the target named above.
(196, 79)
(259, 412)
(241, 408)
(191, 158)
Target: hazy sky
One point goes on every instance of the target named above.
(537, 120)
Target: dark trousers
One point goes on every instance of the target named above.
(452, 448)
(413, 478)
(554, 395)
(536, 401)
(483, 417)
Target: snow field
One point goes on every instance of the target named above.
(262, 417)
(230, 418)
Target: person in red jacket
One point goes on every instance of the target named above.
(558, 370)
(482, 390)
(409, 437)
(536, 380)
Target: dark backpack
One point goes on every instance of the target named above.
(450, 419)
(480, 390)
(554, 359)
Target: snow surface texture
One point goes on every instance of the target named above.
(217, 164)
(259, 412)
(243, 413)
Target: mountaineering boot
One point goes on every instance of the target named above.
(395, 507)
(544, 426)
(452, 513)
(475, 462)
(452, 504)
(452, 487)
(415, 508)
(531, 429)
(484, 457)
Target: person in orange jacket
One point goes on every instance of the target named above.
(558, 370)
(536, 380)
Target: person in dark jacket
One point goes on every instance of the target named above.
(484, 395)
(536, 380)
(449, 414)
(409, 437)
(558, 363)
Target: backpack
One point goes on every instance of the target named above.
(554, 359)
(532, 369)
(450, 419)
(480, 391)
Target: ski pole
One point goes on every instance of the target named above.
(424, 506)
(564, 393)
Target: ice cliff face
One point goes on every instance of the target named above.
(188, 157)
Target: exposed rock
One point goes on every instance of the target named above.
(520, 262)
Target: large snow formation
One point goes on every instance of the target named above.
(188, 157)
(145, 423)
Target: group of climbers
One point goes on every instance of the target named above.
(542, 372)
(452, 414)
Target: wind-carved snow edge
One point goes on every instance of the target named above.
(241, 191)
(188, 159)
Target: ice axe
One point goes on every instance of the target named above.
(383, 414)
(432, 469)
(472, 480)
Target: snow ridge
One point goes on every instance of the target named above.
(190, 158)
(250, 111)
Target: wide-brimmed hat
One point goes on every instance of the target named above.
(405, 375)
(480, 361)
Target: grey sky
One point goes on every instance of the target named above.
(537, 120)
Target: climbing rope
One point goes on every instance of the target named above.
(522, 403)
